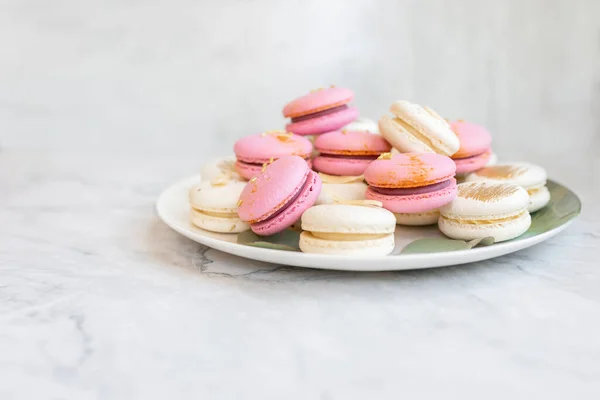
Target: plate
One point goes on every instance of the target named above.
(416, 247)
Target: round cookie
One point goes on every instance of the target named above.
(351, 229)
(277, 197)
(530, 177)
(416, 129)
(214, 205)
(484, 209)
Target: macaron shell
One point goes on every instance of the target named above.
(262, 147)
(425, 125)
(330, 192)
(417, 203)
(341, 166)
(247, 171)
(471, 164)
(538, 199)
(324, 123)
(500, 232)
(216, 198)
(363, 125)
(486, 199)
(399, 138)
(418, 219)
(474, 139)
(307, 198)
(372, 247)
(347, 142)
(218, 224)
(519, 173)
(410, 170)
(318, 100)
(348, 218)
(273, 188)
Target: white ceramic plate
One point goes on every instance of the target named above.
(172, 207)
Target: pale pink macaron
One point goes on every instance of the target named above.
(475, 146)
(348, 152)
(277, 197)
(320, 111)
(255, 150)
(411, 182)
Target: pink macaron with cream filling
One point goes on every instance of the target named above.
(255, 150)
(475, 146)
(411, 183)
(320, 111)
(276, 198)
(348, 152)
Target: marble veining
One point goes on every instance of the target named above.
(100, 300)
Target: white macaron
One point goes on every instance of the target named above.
(215, 205)
(363, 228)
(344, 188)
(483, 209)
(363, 125)
(416, 129)
(529, 176)
(218, 167)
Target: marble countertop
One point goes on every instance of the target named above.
(100, 300)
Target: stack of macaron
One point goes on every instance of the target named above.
(252, 152)
(322, 110)
(360, 179)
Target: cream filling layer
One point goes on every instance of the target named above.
(348, 237)
(433, 143)
(218, 214)
(485, 221)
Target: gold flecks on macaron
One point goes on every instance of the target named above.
(344, 131)
(240, 202)
(385, 156)
(485, 192)
(253, 179)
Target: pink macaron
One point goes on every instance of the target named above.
(348, 152)
(411, 182)
(277, 197)
(255, 150)
(475, 146)
(320, 111)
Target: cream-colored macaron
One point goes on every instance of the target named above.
(529, 176)
(215, 205)
(344, 188)
(416, 129)
(218, 167)
(483, 209)
(418, 219)
(363, 125)
(361, 228)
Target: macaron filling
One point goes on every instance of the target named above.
(319, 113)
(487, 220)
(414, 190)
(351, 156)
(218, 214)
(348, 237)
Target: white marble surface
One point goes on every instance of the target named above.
(99, 300)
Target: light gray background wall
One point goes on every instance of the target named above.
(190, 76)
